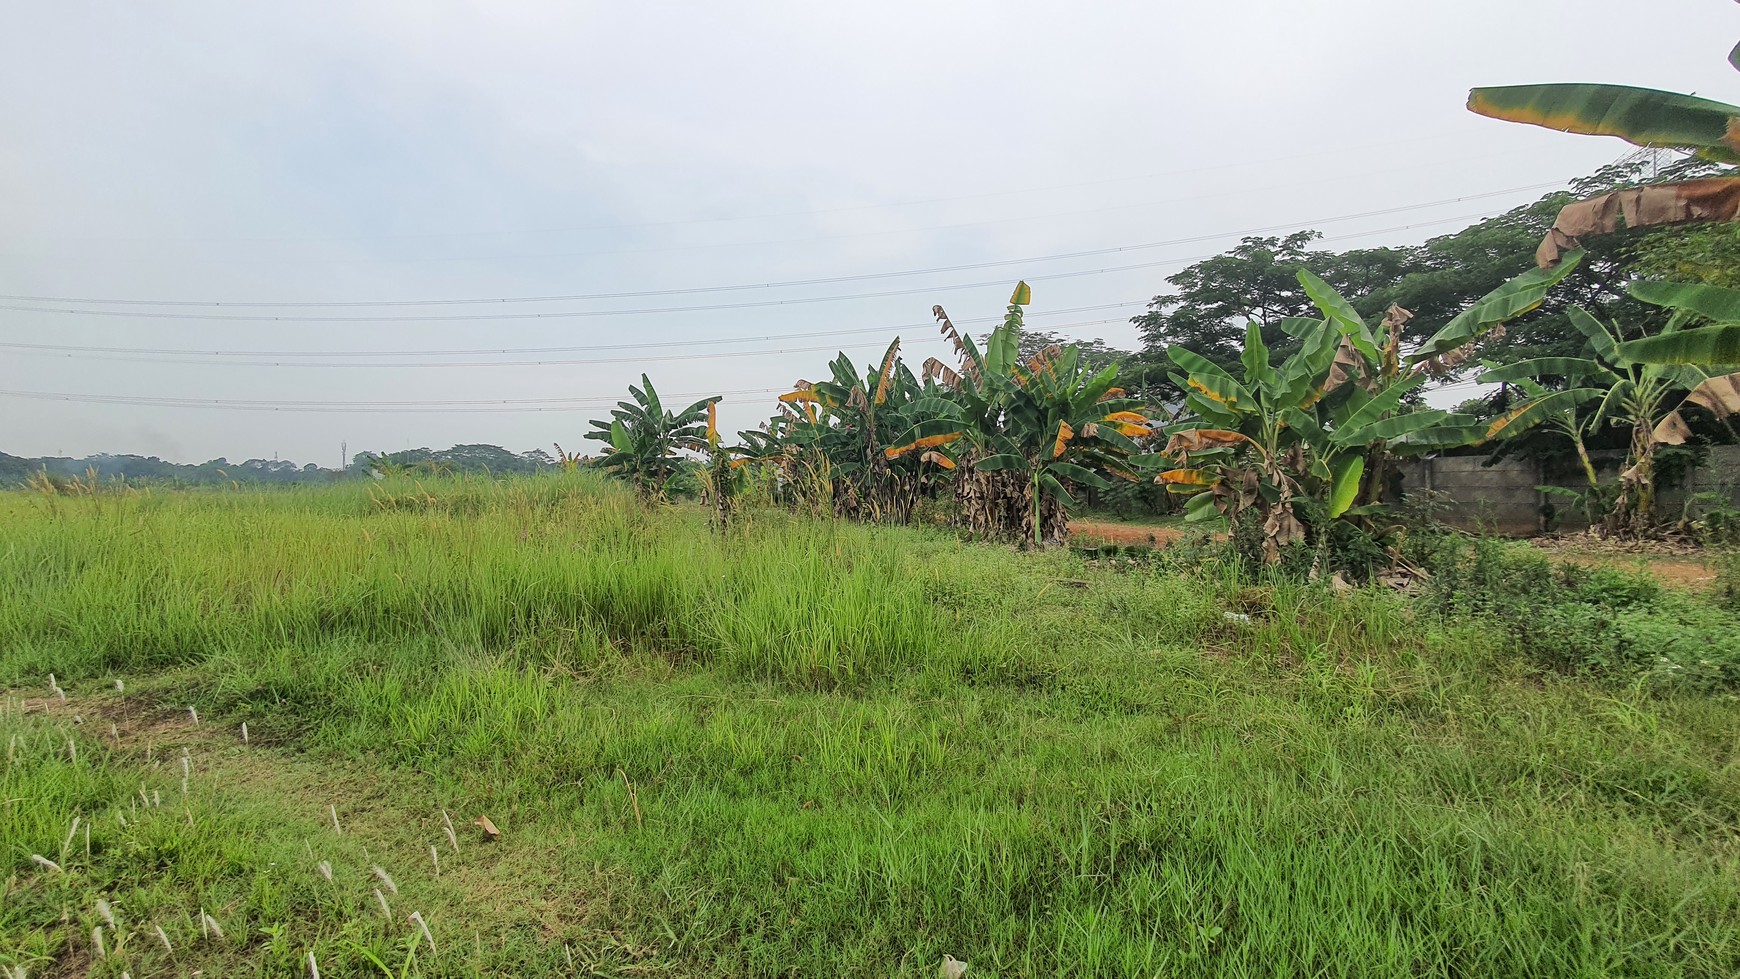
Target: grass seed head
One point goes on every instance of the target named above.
(417, 916)
(382, 876)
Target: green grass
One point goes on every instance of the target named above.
(809, 748)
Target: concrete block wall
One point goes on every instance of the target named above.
(1502, 498)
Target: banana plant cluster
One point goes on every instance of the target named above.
(1012, 439)
(644, 439)
(1314, 438)
(1648, 398)
(1020, 434)
(828, 440)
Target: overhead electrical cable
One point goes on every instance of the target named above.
(788, 283)
(577, 348)
(709, 307)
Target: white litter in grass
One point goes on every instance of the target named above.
(119, 686)
(1236, 617)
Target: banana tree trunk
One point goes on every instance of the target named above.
(1634, 515)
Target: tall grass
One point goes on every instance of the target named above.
(822, 748)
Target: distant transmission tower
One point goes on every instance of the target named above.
(343, 455)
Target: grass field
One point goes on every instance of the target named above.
(805, 749)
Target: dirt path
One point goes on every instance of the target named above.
(1679, 571)
(1089, 532)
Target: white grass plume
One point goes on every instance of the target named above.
(417, 916)
(382, 876)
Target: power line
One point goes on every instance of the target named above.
(506, 404)
(788, 283)
(477, 352)
(709, 307)
(707, 355)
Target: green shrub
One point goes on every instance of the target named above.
(1621, 624)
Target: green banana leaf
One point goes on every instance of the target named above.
(1641, 116)
(1711, 302)
(1346, 486)
(1704, 345)
(1510, 300)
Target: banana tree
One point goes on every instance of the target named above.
(1641, 116)
(719, 475)
(1714, 344)
(1260, 444)
(1021, 432)
(1647, 398)
(644, 439)
(841, 426)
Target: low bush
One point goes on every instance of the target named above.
(1621, 624)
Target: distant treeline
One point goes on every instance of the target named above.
(15, 470)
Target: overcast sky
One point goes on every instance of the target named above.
(386, 152)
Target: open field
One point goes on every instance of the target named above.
(809, 748)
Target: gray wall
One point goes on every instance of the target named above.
(1502, 497)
